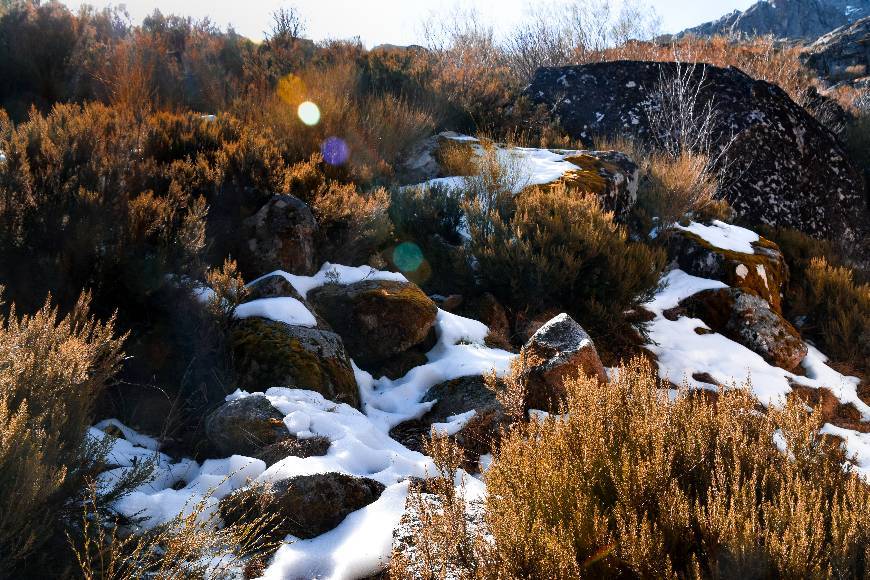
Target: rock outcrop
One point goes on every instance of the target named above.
(782, 167)
(793, 19)
(763, 272)
(378, 319)
(273, 354)
(453, 398)
(559, 350)
(842, 55)
(281, 236)
(305, 506)
(245, 426)
(748, 320)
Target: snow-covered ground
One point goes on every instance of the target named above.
(529, 166)
(361, 444)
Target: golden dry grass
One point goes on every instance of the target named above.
(630, 484)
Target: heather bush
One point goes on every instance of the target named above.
(431, 218)
(52, 371)
(839, 312)
(827, 298)
(629, 483)
(559, 248)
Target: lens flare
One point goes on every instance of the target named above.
(335, 151)
(309, 113)
(408, 256)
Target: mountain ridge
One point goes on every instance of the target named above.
(789, 19)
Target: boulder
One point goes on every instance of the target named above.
(245, 426)
(306, 506)
(782, 168)
(559, 350)
(452, 398)
(294, 447)
(281, 236)
(748, 320)
(763, 272)
(611, 175)
(273, 354)
(378, 319)
(272, 286)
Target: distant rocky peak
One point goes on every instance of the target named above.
(791, 19)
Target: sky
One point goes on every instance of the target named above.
(387, 21)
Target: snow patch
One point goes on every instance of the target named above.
(287, 310)
(724, 236)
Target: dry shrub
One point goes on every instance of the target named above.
(827, 299)
(191, 545)
(377, 127)
(840, 312)
(52, 370)
(630, 484)
(676, 187)
(353, 225)
(762, 58)
(555, 247)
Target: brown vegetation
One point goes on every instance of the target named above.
(633, 485)
(53, 369)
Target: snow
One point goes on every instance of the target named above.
(532, 166)
(333, 273)
(286, 310)
(459, 352)
(724, 236)
(454, 423)
(360, 444)
(681, 352)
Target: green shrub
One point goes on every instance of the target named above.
(52, 371)
(558, 248)
(431, 218)
(630, 484)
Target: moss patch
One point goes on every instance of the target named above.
(268, 354)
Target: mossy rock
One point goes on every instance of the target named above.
(274, 354)
(305, 505)
(378, 319)
(245, 426)
(612, 176)
(277, 286)
(748, 320)
(763, 273)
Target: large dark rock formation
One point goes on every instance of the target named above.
(794, 19)
(783, 167)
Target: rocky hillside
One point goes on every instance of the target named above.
(336, 465)
(792, 19)
(842, 55)
(345, 372)
(781, 166)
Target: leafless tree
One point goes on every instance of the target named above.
(287, 25)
